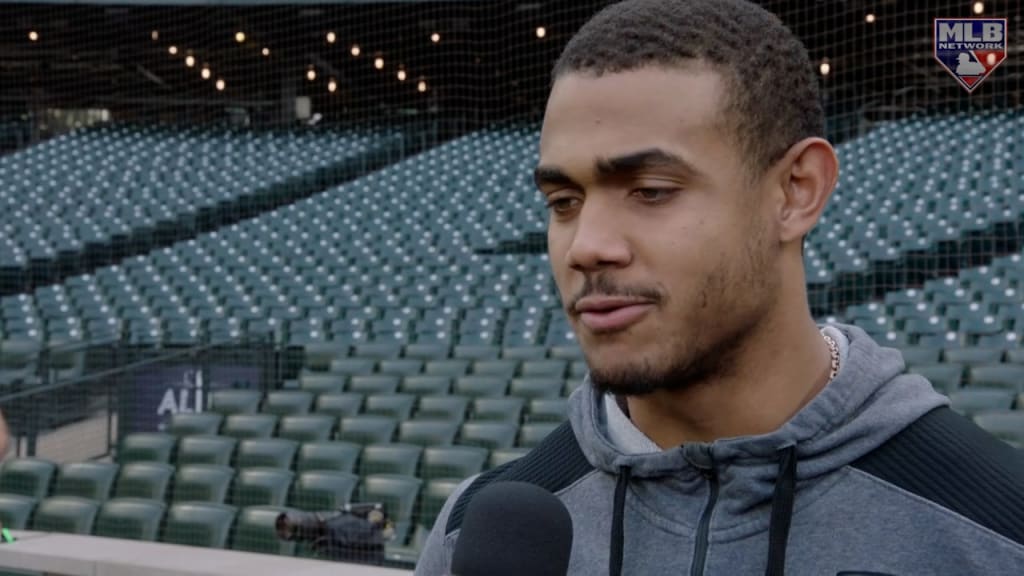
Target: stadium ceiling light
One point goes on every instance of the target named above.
(239, 36)
(435, 37)
(979, 7)
(265, 51)
(869, 18)
(190, 60)
(378, 63)
(541, 32)
(205, 72)
(422, 86)
(155, 35)
(33, 36)
(331, 37)
(172, 50)
(825, 68)
(332, 86)
(221, 85)
(311, 74)
(355, 49)
(401, 75)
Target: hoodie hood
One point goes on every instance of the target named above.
(869, 401)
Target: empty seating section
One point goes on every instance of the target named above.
(433, 352)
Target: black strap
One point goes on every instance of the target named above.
(947, 459)
(554, 464)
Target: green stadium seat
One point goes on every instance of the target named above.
(452, 461)
(445, 407)
(1015, 356)
(531, 433)
(90, 480)
(917, 355)
(307, 428)
(397, 406)
(476, 352)
(229, 402)
(266, 453)
(68, 514)
(322, 490)
(288, 402)
(435, 494)
(131, 519)
(428, 432)
(27, 476)
(339, 405)
(945, 378)
(353, 366)
(504, 409)
(377, 350)
(400, 366)
(1005, 424)
(317, 356)
(423, 385)
(1009, 376)
(524, 352)
(370, 384)
(397, 493)
(553, 368)
(536, 387)
(192, 424)
(255, 531)
(146, 447)
(203, 449)
(395, 458)
(329, 456)
(505, 369)
(547, 410)
(480, 386)
(203, 524)
(972, 400)
(244, 426)
(453, 367)
(202, 483)
(367, 429)
(505, 455)
(490, 435)
(971, 356)
(144, 480)
(15, 511)
(329, 383)
(570, 386)
(571, 353)
(261, 487)
(426, 351)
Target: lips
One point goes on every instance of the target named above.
(605, 315)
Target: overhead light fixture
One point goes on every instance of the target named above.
(239, 36)
(172, 50)
(979, 7)
(401, 75)
(355, 49)
(190, 60)
(331, 37)
(33, 36)
(155, 35)
(825, 68)
(311, 74)
(869, 18)
(435, 37)
(221, 85)
(205, 72)
(378, 63)
(332, 85)
(265, 51)
(541, 32)
(422, 86)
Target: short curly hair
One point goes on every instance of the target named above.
(773, 99)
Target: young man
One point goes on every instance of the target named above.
(720, 431)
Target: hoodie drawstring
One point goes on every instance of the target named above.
(782, 512)
(615, 562)
(778, 528)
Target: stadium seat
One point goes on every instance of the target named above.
(288, 402)
(504, 409)
(228, 402)
(531, 433)
(203, 524)
(442, 407)
(329, 383)
(970, 401)
(367, 429)
(505, 369)
(397, 406)
(203, 449)
(1007, 376)
(505, 455)
(428, 432)
(397, 493)
(480, 386)
(244, 426)
(339, 405)
(261, 487)
(192, 424)
(489, 435)
(144, 480)
(426, 351)
(551, 368)
(27, 476)
(452, 461)
(547, 410)
(15, 511)
(945, 378)
(536, 387)
(90, 480)
(318, 490)
(69, 514)
(435, 494)
(1005, 424)
(423, 385)
(400, 366)
(266, 453)
(394, 458)
(255, 531)
(328, 456)
(130, 518)
(971, 356)
(307, 427)
(453, 367)
(202, 483)
(371, 384)
(146, 447)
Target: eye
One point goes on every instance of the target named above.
(562, 204)
(654, 194)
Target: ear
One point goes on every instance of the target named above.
(809, 173)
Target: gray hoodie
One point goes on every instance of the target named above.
(808, 499)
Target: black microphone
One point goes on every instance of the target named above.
(513, 529)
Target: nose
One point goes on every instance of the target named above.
(598, 241)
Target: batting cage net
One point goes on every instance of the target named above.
(271, 258)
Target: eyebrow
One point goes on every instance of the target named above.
(617, 167)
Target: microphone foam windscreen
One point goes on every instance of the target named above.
(514, 529)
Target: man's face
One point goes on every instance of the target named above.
(659, 241)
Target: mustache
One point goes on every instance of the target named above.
(604, 286)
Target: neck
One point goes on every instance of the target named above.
(777, 372)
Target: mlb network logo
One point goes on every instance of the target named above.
(970, 48)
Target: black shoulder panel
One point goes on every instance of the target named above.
(553, 465)
(947, 459)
